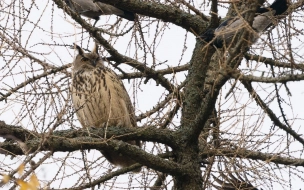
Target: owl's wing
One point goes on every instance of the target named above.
(125, 100)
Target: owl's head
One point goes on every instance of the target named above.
(87, 61)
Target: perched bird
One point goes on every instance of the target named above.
(100, 99)
(226, 31)
(93, 10)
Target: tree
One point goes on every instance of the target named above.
(207, 115)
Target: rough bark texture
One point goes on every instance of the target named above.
(187, 145)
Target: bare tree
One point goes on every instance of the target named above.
(225, 118)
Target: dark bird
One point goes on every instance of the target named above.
(226, 31)
(100, 99)
(93, 10)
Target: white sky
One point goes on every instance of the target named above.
(55, 27)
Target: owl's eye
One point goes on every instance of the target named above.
(84, 59)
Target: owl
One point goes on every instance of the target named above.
(93, 10)
(100, 99)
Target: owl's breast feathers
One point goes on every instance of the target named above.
(100, 99)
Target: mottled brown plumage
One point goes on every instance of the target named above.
(100, 99)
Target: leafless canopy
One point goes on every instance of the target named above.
(207, 117)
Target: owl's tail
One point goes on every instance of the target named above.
(120, 160)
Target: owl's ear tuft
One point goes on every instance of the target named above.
(95, 49)
(79, 49)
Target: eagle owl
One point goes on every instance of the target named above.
(100, 99)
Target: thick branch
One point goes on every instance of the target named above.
(254, 155)
(270, 61)
(70, 144)
(192, 23)
(71, 140)
(170, 70)
(283, 79)
(15, 132)
(164, 136)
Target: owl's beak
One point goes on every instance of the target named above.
(93, 63)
